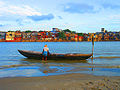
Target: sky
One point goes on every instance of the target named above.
(85, 16)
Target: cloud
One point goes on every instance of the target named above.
(19, 22)
(10, 12)
(22, 22)
(20, 14)
(1, 25)
(60, 17)
(111, 6)
(1, 3)
(42, 17)
(78, 8)
(24, 10)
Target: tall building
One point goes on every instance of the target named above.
(103, 30)
(55, 29)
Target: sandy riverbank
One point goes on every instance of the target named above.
(61, 82)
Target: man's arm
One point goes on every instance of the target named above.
(42, 51)
(48, 51)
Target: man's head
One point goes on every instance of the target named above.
(45, 46)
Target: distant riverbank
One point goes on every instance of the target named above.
(54, 41)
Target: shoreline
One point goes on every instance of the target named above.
(56, 41)
(74, 81)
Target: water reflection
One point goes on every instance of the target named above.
(54, 66)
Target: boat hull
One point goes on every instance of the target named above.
(38, 55)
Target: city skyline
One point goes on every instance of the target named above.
(79, 15)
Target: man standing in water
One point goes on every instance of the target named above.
(45, 53)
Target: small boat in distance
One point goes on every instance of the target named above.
(52, 56)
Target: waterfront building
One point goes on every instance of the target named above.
(33, 36)
(18, 36)
(76, 37)
(117, 34)
(99, 38)
(67, 36)
(2, 36)
(56, 30)
(90, 37)
(85, 37)
(96, 37)
(106, 37)
(10, 36)
(39, 35)
(80, 38)
(26, 36)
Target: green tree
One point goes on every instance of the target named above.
(41, 31)
(28, 31)
(10, 31)
(18, 30)
(67, 30)
(73, 31)
(80, 34)
(62, 35)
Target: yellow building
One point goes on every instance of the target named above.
(90, 38)
(10, 35)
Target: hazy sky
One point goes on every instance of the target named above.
(78, 15)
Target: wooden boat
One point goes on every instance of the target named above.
(52, 56)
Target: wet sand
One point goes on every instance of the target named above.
(61, 82)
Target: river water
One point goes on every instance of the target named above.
(106, 60)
